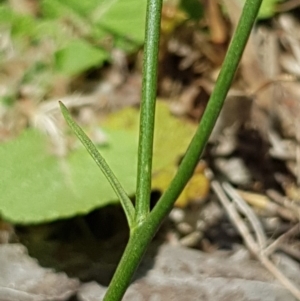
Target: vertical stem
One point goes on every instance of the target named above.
(147, 114)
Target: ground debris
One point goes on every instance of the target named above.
(177, 273)
(23, 279)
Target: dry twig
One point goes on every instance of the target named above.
(285, 202)
(295, 230)
(252, 245)
(247, 211)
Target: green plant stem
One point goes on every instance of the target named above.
(112, 179)
(130, 260)
(212, 111)
(143, 233)
(147, 114)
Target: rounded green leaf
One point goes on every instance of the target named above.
(37, 186)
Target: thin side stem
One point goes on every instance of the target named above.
(212, 111)
(147, 114)
(112, 179)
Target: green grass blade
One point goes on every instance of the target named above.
(93, 151)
